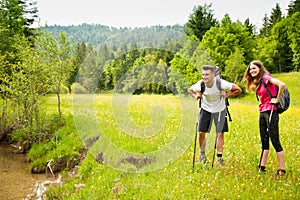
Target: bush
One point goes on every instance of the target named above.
(78, 89)
(64, 149)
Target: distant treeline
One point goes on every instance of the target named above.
(97, 34)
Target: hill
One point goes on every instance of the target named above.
(96, 34)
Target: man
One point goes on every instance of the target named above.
(213, 108)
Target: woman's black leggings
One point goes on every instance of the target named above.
(271, 132)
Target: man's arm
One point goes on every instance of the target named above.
(235, 90)
(194, 94)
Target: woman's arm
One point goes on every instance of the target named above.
(281, 86)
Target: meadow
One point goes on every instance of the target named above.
(141, 147)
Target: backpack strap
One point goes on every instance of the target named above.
(218, 83)
(268, 91)
(202, 86)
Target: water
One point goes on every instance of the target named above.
(15, 177)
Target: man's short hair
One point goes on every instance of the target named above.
(209, 67)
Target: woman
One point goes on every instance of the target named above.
(254, 76)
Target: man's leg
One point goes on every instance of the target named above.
(202, 144)
(204, 127)
(221, 126)
(219, 147)
(220, 143)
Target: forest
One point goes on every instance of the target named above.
(177, 52)
(97, 59)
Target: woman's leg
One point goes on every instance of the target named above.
(280, 157)
(274, 135)
(264, 157)
(264, 137)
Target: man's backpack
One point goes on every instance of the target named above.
(218, 83)
(284, 101)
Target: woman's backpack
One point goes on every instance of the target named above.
(284, 102)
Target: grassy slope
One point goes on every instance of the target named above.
(238, 180)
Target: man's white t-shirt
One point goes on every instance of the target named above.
(211, 98)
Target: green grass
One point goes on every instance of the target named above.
(162, 129)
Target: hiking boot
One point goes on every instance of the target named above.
(280, 172)
(202, 159)
(261, 169)
(220, 160)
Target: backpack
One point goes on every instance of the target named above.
(218, 83)
(284, 101)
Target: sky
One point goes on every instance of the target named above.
(142, 13)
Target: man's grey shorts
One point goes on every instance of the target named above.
(205, 121)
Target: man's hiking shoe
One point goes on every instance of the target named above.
(279, 173)
(220, 160)
(260, 169)
(202, 159)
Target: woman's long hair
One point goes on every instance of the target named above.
(253, 83)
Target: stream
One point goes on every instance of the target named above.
(15, 177)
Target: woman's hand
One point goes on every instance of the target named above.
(274, 101)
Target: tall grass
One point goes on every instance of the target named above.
(138, 127)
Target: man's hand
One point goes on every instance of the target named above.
(235, 90)
(198, 95)
(223, 93)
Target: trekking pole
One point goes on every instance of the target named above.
(195, 146)
(261, 155)
(228, 113)
(227, 110)
(196, 133)
(270, 118)
(268, 129)
(213, 160)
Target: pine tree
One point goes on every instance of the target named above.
(294, 7)
(200, 21)
(249, 26)
(264, 31)
(276, 16)
(17, 17)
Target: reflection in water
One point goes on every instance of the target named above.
(15, 177)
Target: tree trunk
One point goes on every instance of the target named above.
(8, 129)
(58, 104)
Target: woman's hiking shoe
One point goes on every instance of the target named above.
(220, 160)
(280, 172)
